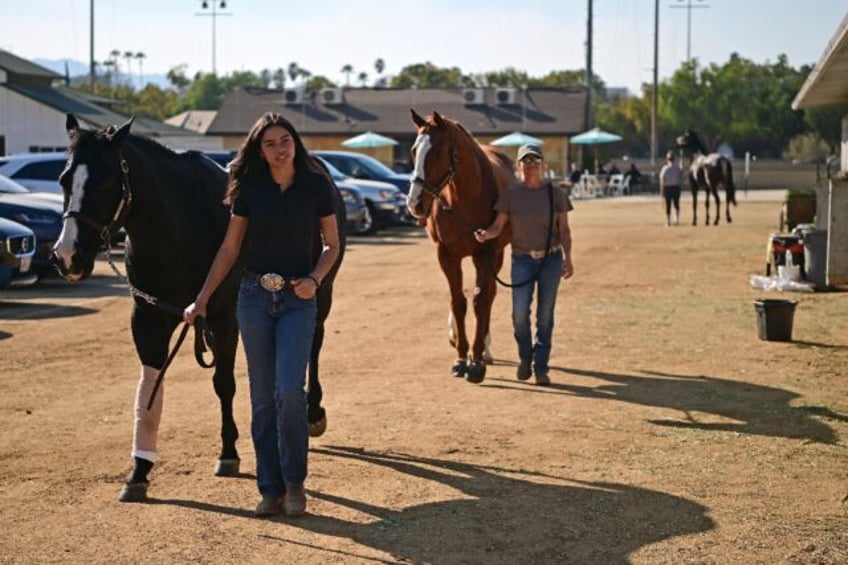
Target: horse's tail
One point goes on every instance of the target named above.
(729, 187)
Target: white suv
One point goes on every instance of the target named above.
(38, 172)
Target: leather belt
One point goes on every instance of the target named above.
(540, 253)
(272, 282)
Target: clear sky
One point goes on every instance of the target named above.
(537, 36)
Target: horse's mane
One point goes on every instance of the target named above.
(143, 142)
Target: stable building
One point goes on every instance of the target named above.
(325, 118)
(827, 86)
(34, 101)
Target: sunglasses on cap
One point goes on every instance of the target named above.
(531, 159)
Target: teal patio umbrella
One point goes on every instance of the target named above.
(595, 137)
(368, 139)
(516, 139)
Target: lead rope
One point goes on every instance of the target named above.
(201, 344)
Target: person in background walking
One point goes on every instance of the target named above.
(541, 254)
(671, 176)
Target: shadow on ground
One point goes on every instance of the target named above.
(756, 409)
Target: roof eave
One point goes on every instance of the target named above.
(821, 87)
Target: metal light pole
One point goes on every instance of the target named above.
(689, 7)
(91, 69)
(214, 4)
(590, 118)
(655, 92)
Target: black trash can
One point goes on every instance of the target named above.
(774, 318)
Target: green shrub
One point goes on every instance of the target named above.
(805, 192)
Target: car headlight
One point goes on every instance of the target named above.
(387, 194)
(347, 196)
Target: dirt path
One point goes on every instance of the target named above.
(671, 433)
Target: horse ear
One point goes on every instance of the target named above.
(417, 120)
(71, 122)
(71, 126)
(437, 117)
(123, 131)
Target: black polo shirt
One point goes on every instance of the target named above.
(283, 226)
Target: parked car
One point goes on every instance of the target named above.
(40, 212)
(359, 220)
(17, 247)
(222, 157)
(386, 203)
(364, 167)
(38, 172)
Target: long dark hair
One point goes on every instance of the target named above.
(248, 163)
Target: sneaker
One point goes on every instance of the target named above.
(524, 371)
(268, 506)
(294, 502)
(542, 379)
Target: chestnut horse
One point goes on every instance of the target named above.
(707, 171)
(464, 179)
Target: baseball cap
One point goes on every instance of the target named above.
(529, 149)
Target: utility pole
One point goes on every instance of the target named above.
(589, 79)
(215, 4)
(91, 69)
(688, 8)
(655, 91)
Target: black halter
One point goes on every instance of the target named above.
(435, 189)
(118, 218)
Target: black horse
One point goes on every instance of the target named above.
(170, 205)
(707, 171)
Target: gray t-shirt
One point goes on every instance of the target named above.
(671, 174)
(529, 214)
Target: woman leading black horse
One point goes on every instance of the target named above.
(279, 198)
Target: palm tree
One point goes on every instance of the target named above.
(128, 55)
(114, 54)
(294, 71)
(346, 70)
(304, 74)
(111, 67)
(140, 56)
(363, 78)
(280, 78)
(380, 66)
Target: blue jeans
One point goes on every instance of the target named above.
(524, 268)
(277, 330)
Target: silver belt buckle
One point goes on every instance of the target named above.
(537, 254)
(272, 282)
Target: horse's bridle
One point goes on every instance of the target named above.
(435, 189)
(106, 230)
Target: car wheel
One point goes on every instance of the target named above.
(367, 226)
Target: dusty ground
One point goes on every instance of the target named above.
(671, 434)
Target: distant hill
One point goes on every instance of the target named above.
(77, 69)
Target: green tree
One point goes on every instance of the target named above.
(347, 70)
(206, 92)
(318, 82)
(177, 77)
(427, 75)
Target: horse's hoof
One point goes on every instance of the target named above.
(134, 492)
(487, 358)
(476, 373)
(227, 467)
(317, 429)
(460, 368)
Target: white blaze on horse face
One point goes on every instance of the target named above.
(65, 246)
(420, 149)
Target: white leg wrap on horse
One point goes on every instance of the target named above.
(146, 425)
